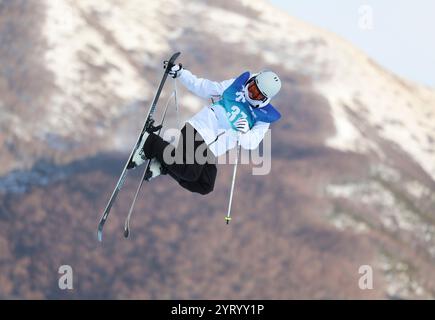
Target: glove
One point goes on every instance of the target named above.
(176, 70)
(242, 125)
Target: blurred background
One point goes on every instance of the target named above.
(353, 157)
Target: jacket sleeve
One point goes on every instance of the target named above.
(251, 139)
(202, 87)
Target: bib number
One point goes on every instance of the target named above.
(233, 114)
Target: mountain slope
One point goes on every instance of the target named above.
(351, 182)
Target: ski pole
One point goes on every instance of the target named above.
(228, 216)
(176, 104)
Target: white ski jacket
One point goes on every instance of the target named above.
(212, 120)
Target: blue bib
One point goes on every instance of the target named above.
(236, 107)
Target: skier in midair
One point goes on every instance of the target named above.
(242, 112)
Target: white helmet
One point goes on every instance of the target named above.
(268, 83)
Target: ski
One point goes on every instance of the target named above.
(130, 212)
(148, 122)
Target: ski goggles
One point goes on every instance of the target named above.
(255, 93)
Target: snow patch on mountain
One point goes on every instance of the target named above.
(122, 34)
(191, 103)
(133, 24)
(348, 78)
(392, 211)
(97, 52)
(401, 116)
(417, 190)
(88, 69)
(400, 281)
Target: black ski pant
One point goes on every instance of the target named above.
(191, 174)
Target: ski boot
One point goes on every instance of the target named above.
(154, 170)
(138, 158)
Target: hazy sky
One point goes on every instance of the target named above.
(402, 38)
